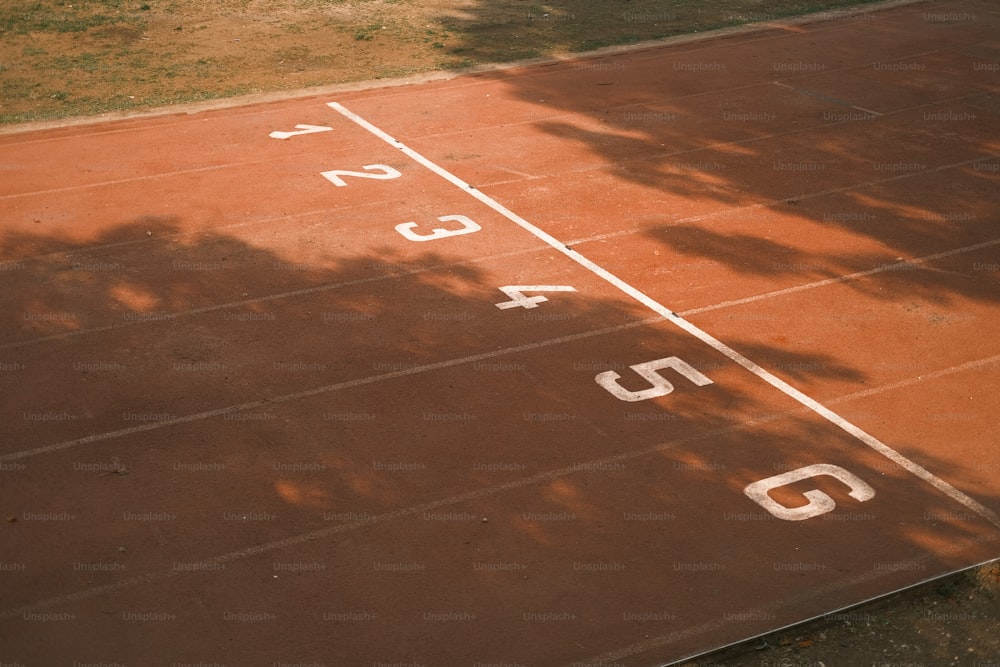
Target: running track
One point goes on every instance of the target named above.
(607, 361)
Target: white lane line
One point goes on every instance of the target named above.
(841, 279)
(603, 463)
(192, 234)
(574, 242)
(134, 179)
(139, 318)
(517, 173)
(768, 204)
(513, 485)
(302, 538)
(720, 146)
(332, 286)
(827, 98)
(967, 366)
(349, 283)
(808, 593)
(285, 398)
(765, 375)
(360, 281)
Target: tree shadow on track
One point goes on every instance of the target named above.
(751, 162)
(770, 128)
(372, 432)
(328, 430)
(912, 181)
(482, 32)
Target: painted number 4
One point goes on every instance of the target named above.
(648, 370)
(518, 298)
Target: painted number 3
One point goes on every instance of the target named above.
(467, 227)
(648, 370)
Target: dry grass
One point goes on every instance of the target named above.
(63, 58)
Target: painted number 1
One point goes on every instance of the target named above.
(648, 370)
(387, 173)
(299, 130)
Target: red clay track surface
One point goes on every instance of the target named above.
(705, 346)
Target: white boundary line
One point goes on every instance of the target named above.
(765, 375)
(548, 475)
(306, 393)
(305, 291)
(614, 656)
(758, 205)
(391, 515)
(900, 384)
(917, 261)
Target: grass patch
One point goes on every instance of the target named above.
(21, 18)
(113, 55)
(591, 44)
(367, 33)
(86, 62)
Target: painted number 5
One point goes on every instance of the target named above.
(661, 386)
(468, 227)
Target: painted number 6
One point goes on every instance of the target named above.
(648, 370)
(468, 227)
(819, 502)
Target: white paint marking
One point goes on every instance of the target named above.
(840, 279)
(402, 273)
(334, 176)
(518, 298)
(349, 384)
(300, 129)
(485, 258)
(933, 375)
(648, 370)
(550, 475)
(303, 538)
(516, 172)
(469, 226)
(819, 502)
(768, 377)
(792, 600)
(867, 111)
(140, 179)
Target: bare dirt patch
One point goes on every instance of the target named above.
(953, 621)
(62, 58)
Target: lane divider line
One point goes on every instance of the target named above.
(842, 279)
(546, 476)
(874, 443)
(139, 318)
(315, 391)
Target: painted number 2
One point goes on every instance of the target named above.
(468, 227)
(335, 175)
(648, 370)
